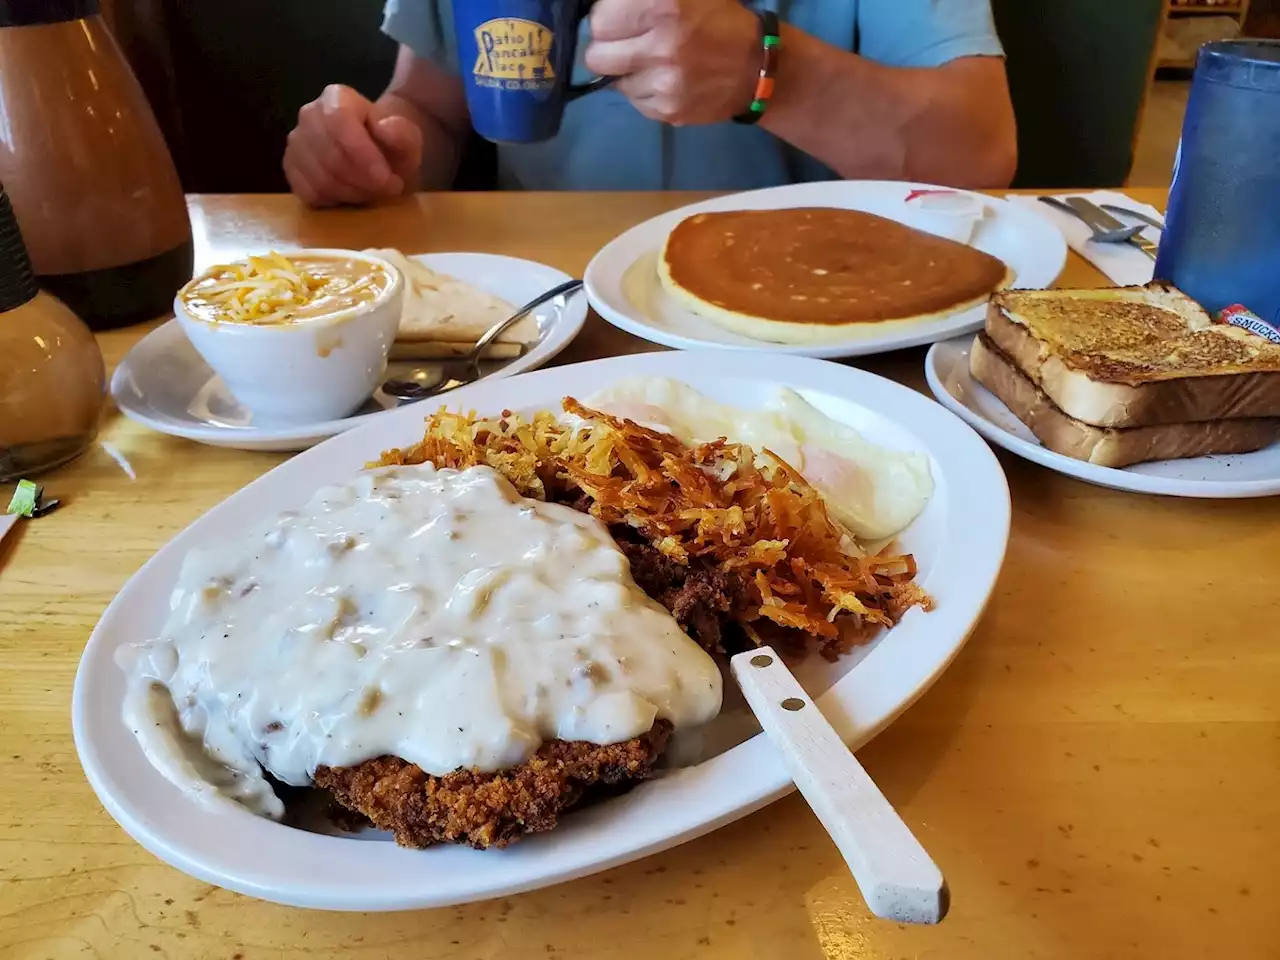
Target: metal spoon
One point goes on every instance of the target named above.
(426, 382)
(1100, 234)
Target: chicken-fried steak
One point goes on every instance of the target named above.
(490, 809)
(733, 542)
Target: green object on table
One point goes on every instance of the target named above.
(26, 499)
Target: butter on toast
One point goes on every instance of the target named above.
(1109, 446)
(1135, 356)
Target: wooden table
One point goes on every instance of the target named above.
(1097, 774)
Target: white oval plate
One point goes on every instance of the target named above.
(946, 368)
(959, 541)
(163, 383)
(623, 285)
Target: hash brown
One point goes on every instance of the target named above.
(722, 504)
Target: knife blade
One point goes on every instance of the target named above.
(1095, 216)
(1136, 214)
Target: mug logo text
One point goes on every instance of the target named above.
(513, 54)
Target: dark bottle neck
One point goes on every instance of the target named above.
(17, 282)
(30, 13)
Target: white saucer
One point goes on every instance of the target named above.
(1238, 475)
(164, 383)
(623, 285)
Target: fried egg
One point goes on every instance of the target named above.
(874, 492)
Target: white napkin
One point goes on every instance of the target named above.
(1124, 263)
(7, 522)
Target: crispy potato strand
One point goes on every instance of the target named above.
(752, 515)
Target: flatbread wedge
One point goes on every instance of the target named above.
(445, 316)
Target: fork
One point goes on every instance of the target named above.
(1100, 235)
(429, 383)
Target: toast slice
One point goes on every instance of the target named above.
(1110, 447)
(1135, 356)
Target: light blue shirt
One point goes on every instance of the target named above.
(604, 143)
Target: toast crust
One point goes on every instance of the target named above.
(1109, 447)
(1136, 335)
(1125, 402)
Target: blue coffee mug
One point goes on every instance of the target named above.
(516, 57)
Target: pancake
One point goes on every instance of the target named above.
(813, 274)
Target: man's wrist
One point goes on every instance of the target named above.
(767, 48)
(749, 72)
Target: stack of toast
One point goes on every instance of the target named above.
(1125, 375)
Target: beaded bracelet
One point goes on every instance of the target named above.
(770, 36)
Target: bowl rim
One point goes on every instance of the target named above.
(389, 294)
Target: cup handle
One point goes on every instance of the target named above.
(575, 90)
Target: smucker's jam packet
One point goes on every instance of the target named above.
(1241, 316)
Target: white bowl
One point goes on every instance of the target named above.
(309, 372)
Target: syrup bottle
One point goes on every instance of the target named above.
(86, 166)
(52, 381)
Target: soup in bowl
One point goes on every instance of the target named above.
(297, 337)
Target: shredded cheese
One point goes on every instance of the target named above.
(260, 290)
(270, 289)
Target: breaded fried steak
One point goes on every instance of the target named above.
(738, 553)
(490, 809)
(496, 809)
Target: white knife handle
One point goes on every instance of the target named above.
(896, 876)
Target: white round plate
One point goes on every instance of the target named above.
(958, 540)
(622, 279)
(163, 383)
(946, 368)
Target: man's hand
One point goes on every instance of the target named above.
(346, 149)
(678, 61)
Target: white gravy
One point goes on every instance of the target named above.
(433, 615)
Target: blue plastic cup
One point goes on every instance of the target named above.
(516, 57)
(1221, 242)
